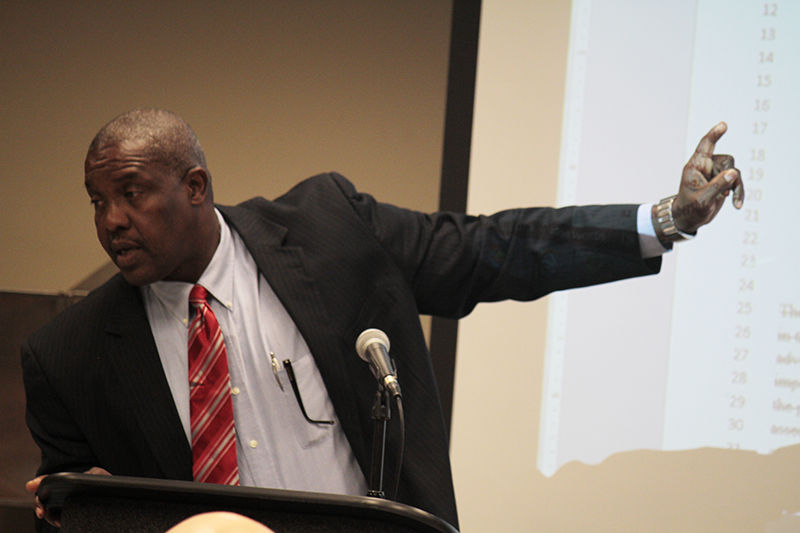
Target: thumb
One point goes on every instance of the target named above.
(721, 185)
(33, 485)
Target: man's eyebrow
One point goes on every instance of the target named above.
(128, 175)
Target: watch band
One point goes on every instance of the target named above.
(666, 230)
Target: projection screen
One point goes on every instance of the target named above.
(669, 403)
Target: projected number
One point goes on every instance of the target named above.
(764, 60)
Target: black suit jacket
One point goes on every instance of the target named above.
(340, 262)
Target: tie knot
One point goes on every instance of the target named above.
(198, 295)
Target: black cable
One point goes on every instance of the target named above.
(402, 420)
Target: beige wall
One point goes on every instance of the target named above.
(276, 91)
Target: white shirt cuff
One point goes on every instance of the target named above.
(649, 244)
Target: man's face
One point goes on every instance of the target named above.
(143, 214)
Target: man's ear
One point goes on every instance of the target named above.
(198, 183)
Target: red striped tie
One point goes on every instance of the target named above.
(213, 432)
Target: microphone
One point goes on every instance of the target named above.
(373, 347)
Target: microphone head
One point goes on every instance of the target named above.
(370, 336)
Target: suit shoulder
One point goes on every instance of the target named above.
(328, 182)
(318, 191)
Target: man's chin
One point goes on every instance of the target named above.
(138, 278)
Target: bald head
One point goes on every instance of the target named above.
(164, 137)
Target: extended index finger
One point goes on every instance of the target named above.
(706, 145)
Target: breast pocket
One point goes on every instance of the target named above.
(308, 393)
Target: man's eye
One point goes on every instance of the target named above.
(132, 193)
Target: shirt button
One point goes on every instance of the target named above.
(253, 443)
(235, 391)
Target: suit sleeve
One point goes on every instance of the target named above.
(63, 445)
(453, 261)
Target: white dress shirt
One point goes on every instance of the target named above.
(276, 446)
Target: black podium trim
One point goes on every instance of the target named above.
(57, 489)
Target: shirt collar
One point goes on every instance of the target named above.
(217, 278)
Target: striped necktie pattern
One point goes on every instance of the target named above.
(211, 405)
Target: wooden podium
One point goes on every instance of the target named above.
(90, 503)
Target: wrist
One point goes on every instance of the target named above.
(664, 223)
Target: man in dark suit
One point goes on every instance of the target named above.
(105, 381)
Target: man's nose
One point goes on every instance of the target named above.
(114, 217)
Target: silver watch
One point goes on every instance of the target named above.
(664, 224)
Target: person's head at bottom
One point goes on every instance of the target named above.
(219, 522)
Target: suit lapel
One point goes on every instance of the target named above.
(287, 272)
(134, 356)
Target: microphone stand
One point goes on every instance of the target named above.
(381, 414)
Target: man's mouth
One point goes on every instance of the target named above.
(124, 253)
